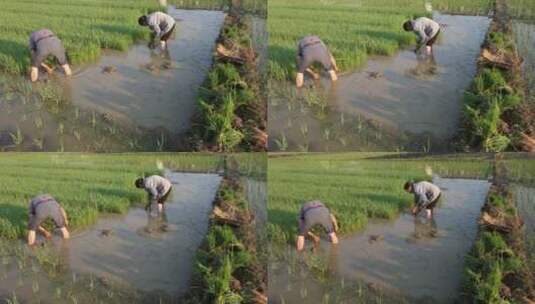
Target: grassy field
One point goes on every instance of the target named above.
(468, 7)
(523, 9)
(258, 7)
(351, 29)
(85, 26)
(85, 184)
(356, 186)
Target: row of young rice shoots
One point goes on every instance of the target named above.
(355, 186)
(85, 184)
(85, 27)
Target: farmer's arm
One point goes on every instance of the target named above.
(422, 38)
(64, 214)
(335, 222)
(333, 62)
(44, 232)
(48, 69)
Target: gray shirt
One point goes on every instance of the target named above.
(39, 35)
(160, 23)
(425, 28)
(314, 213)
(156, 186)
(425, 193)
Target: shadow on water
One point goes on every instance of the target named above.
(398, 103)
(146, 257)
(403, 261)
(142, 99)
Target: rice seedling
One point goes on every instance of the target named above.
(522, 9)
(84, 27)
(356, 186)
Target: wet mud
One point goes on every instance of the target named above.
(139, 257)
(402, 102)
(403, 261)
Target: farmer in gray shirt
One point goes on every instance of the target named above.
(43, 207)
(311, 49)
(427, 31)
(315, 213)
(426, 196)
(162, 26)
(44, 43)
(158, 189)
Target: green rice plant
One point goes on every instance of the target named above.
(84, 27)
(522, 9)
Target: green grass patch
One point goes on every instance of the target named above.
(258, 7)
(465, 7)
(84, 26)
(227, 257)
(522, 9)
(85, 184)
(355, 186)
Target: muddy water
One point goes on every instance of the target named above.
(153, 89)
(147, 251)
(417, 259)
(525, 40)
(525, 202)
(256, 195)
(260, 41)
(416, 101)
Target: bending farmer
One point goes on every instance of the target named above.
(426, 196)
(315, 213)
(427, 31)
(44, 43)
(158, 189)
(311, 49)
(41, 208)
(162, 26)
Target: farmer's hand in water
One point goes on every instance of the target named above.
(414, 210)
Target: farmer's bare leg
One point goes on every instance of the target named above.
(313, 74)
(65, 233)
(333, 75)
(67, 69)
(299, 80)
(31, 237)
(300, 242)
(334, 238)
(160, 208)
(34, 74)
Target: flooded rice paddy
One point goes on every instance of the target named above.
(400, 102)
(146, 257)
(525, 40)
(525, 202)
(142, 99)
(403, 261)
